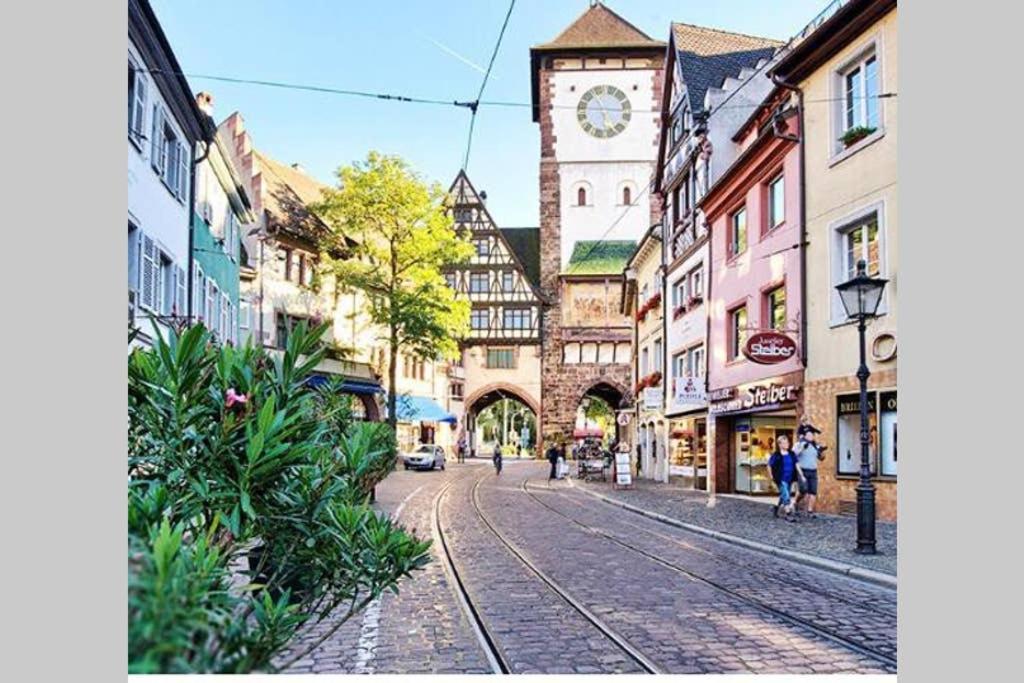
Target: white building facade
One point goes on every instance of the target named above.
(164, 126)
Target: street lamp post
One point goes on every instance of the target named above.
(861, 296)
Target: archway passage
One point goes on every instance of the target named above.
(500, 416)
(596, 414)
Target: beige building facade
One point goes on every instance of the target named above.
(847, 73)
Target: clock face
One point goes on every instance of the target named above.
(604, 111)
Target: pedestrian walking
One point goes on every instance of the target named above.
(552, 456)
(461, 450)
(808, 454)
(497, 459)
(785, 470)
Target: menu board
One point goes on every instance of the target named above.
(623, 474)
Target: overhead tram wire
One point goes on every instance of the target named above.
(392, 97)
(475, 104)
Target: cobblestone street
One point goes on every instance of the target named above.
(557, 581)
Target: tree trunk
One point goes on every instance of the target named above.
(392, 380)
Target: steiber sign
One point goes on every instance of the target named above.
(768, 348)
(757, 396)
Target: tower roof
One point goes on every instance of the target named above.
(600, 257)
(600, 27)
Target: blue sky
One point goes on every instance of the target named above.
(404, 47)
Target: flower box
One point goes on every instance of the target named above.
(678, 311)
(855, 135)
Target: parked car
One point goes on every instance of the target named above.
(427, 456)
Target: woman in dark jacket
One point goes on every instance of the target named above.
(785, 471)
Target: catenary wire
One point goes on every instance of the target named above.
(483, 84)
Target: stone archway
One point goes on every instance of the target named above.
(488, 395)
(609, 391)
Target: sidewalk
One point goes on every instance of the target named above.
(827, 536)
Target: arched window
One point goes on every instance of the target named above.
(626, 196)
(581, 197)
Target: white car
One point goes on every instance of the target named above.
(427, 456)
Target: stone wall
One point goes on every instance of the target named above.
(820, 403)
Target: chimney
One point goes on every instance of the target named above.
(298, 167)
(205, 102)
(483, 196)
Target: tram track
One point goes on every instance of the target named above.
(799, 622)
(495, 654)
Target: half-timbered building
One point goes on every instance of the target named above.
(501, 355)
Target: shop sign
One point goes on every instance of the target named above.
(850, 405)
(722, 394)
(768, 348)
(690, 391)
(652, 398)
(757, 396)
(623, 471)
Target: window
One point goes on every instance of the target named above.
(456, 390)
(198, 291)
(645, 362)
(860, 94)
(477, 283)
(483, 246)
(507, 281)
(170, 156)
(463, 215)
(286, 256)
(136, 103)
(309, 272)
(302, 269)
(581, 196)
(656, 367)
(679, 293)
(775, 308)
(695, 362)
(627, 196)
(677, 204)
(737, 331)
(282, 329)
(244, 317)
(478, 319)
(679, 365)
(776, 202)
(225, 317)
(738, 232)
(134, 253)
(848, 434)
(696, 277)
(861, 242)
(501, 358)
(644, 294)
(450, 279)
(212, 301)
(517, 318)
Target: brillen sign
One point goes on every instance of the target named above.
(768, 348)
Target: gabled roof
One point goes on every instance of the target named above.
(599, 27)
(707, 56)
(525, 243)
(287, 194)
(600, 257)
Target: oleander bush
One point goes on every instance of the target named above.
(248, 511)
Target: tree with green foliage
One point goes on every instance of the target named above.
(247, 505)
(404, 237)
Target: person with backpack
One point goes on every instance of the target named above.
(552, 456)
(808, 454)
(785, 470)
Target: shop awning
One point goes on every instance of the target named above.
(422, 409)
(348, 385)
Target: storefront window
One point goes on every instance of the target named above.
(887, 429)
(755, 442)
(848, 433)
(688, 452)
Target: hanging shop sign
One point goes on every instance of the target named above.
(690, 391)
(768, 348)
(623, 419)
(652, 398)
(757, 396)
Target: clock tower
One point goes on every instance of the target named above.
(596, 93)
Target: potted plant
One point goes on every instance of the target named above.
(654, 379)
(854, 135)
(678, 311)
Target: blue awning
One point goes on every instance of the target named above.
(421, 409)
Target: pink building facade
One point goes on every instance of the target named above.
(755, 365)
